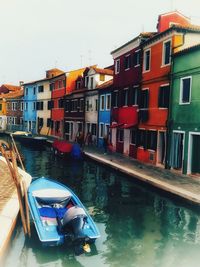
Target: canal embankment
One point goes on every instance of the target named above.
(9, 204)
(169, 181)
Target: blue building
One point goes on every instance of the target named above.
(30, 113)
(104, 111)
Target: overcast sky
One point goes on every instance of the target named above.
(36, 35)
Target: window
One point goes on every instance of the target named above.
(127, 62)
(34, 90)
(152, 140)
(163, 97)
(57, 126)
(87, 105)
(39, 105)
(102, 77)
(133, 136)
(81, 104)
(144, 102)
(107, 129)
(26, 91)
(142, 138)
(22, 106)
(136, 58)
(101, 130)
(94, 129)
(166, 53)
(102, 103)
(108, 102)
(34, 105)
(185, 90)
(115, 99)
(60, 83)
(67, 107)
(117, 66)
(147, 60)
(40, 89)
(96, 104)
(26, 106)
(86, 81)
(120, 135)
(50, 104)
(92, 82)
(61, 103)
(21, 120)
(14, 105)
(78, 85)
(52, 86)
(80, 126)
(48, 122)
(125, 97)
(134, 95)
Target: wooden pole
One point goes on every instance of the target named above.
(14, 173)
(27, 209)
(17, 152)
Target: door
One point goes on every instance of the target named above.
(195, 166)
(176, 154)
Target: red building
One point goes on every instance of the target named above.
(174, 32)
(126, 87)
(58, 91)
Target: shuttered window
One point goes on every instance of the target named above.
(163, 97)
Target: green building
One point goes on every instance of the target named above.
(184, 116)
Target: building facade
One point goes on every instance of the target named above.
(155, 87)
(184, 127)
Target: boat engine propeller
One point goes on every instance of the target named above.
(73, 222)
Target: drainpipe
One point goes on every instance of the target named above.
(169, 119)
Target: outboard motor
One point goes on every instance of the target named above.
(74, 220)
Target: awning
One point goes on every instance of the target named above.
(115, 125)
(128, 125)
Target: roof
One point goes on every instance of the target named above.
(11, 87)
(178, 28)
(105, 85)
(186, 50)
(141, 35)
(15, 94)
(103, 71)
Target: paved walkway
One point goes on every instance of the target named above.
(181, 185)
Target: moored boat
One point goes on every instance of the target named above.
(29, 139)
(62, 148)
(59, 216)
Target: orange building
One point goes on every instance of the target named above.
(174, 33)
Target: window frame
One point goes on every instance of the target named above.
(101, 130)
(145, 62)
(137, 54)
(102, 107)
(181, 90)
(117, 66)
(127, 61)
(164, 53)
(108, 107)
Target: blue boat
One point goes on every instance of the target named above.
(59, 216)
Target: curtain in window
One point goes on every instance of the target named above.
(176, 154)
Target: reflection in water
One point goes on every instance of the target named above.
(138, 227)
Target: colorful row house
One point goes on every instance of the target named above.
(125, 95)
(184, 119)
(174, 34)
(10, 110)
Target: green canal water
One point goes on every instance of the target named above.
(139, 226)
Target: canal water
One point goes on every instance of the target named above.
(139, 226)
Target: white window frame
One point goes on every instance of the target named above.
(126, 104)
(26, 106)
(22, 106)
(107, 125)
(117, 66)
(163, 53)
(102, 108)
(34, 105)
(14, 106)
(138, 58)
(181, 90)
(144, 66)
(136, 89)
(108, 107)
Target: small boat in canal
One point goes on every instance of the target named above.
(62, 148)
(59, 216)
(28, 139)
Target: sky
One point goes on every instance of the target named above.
(37, 35)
